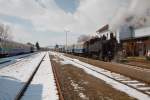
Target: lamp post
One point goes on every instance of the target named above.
(66, 30)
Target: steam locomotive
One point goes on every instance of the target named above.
(100, 47)
(10, 48)
(103, 48)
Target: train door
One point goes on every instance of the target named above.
(141, 48)
(0, 47)
(148, 48)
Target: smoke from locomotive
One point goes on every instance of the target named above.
(137, 15)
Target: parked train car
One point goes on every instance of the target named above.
(62, 49)
(80, 49)
(70, 49)
(33, 49)
(10, 48)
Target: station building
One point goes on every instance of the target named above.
(135, 42)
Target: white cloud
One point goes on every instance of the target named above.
(45, 15)
(92, 14)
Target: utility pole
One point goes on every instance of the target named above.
(66, 41)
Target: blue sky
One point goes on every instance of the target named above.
(45, 21)
(17, 20)
(68, 5)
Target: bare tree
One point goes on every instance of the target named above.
(5, 32)
(1, 30)
(37, 46)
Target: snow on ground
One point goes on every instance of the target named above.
(119, 86)
(10, 60)
(43, 85)
(13, 77)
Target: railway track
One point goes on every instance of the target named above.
(57, 80)
(139, 87)
(23, 90)
(142, 68)
(22, 95)
(137, 67)
(22, 81)
(42, 77)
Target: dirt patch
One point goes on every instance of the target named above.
(78, 85)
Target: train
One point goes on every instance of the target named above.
(11, 48)
(101, 47)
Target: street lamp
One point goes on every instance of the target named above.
(67, 30)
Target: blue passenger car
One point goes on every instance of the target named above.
(9, 48)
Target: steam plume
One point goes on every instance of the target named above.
(83, 38)
(136, 15)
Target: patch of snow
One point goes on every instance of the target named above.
(144, 88)
(64, 62)
(57, 60)
(79, 89)
(11, 60)
(76, 86)
(84, 97)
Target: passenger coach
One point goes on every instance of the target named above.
(10, 48)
